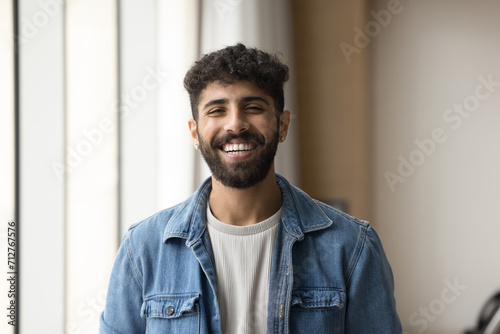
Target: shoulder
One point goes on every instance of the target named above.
(177, 222)
(341, 217)
(159, 218)
(315, 222)
(343, 230)
(150, 230)
(360, 233)
(356, 237)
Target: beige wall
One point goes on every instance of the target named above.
(442, 223)
(332, 99)
(438, 212)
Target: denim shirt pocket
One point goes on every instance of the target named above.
(172, 313)
(317, 310)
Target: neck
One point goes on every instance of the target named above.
(245, 206)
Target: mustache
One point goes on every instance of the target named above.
(246, 136)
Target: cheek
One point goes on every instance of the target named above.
(269, 128)
(211, 132)
(207, 130)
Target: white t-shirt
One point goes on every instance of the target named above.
(243, 264)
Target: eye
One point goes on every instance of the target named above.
(215, 112)
(254, 108)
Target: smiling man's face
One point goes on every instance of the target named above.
(238, 133)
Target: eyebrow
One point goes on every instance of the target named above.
(212, 102)
(244, 99)
(253, 98)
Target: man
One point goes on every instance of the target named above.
(248, 252)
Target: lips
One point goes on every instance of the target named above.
(239, 144)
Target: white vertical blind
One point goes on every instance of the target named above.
(92, 157)
(140, 79)
(177, 50)
(41, 224)
(7, 146)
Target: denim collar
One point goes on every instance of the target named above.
(300, 214)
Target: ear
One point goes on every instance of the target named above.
(284, 123)
(193, 130)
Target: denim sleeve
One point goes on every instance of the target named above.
(124, 298)
(371, 307)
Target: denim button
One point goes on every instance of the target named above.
(170, 310)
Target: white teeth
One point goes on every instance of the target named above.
(238, 147)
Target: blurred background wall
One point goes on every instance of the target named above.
(436, 103)
(399, 105)
(333, 99)
(395, 120)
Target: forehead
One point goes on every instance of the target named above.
(231, 92)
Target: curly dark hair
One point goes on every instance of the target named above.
(237, 63)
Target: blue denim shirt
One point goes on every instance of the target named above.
(329, 273)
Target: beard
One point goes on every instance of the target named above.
(240, 174)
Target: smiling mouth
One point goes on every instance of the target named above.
(238, 148)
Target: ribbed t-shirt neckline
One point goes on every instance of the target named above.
(242, 230)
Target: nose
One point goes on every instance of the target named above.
(236, 121)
